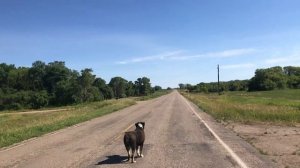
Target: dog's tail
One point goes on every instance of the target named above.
(127, 141)
(126, 138)
(130, 140)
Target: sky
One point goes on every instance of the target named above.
(168, 41)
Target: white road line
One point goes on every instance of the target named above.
(229, 150)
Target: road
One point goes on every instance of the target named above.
(175, 137)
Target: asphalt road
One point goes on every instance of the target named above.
(175, 137)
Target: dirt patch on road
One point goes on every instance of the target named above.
(280, 143)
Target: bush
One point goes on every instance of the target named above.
(14, 106)
(39, 99)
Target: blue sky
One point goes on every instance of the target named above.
(169, 41)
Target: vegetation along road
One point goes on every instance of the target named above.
(177, 135)
(268, 120)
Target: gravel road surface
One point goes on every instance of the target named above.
(175, 137)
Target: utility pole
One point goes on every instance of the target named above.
(218, 80)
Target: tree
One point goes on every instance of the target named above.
(12, 78)
(23, 81)
(268, 79)
(54, 84)
(36, 75)
(105, 90)
(118, 85)
(130, 88)
(189, 87)
(201, 87)
(55, 72)
(157, 88)
(88, 92)
(39, 99)
(237, 85)
(293, 75)
(143, 86)
(4, 71)
(182, 86)
(66, 92)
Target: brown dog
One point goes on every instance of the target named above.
(134, 141)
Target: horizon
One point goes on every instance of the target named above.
(107, 81)
(170, 42)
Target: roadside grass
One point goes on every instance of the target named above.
(279, 106)
(18, 127)
(58, 108)
(152, 96)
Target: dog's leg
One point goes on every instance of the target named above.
(129, 154)
(132, 156)
(141, 150)
(138, 151)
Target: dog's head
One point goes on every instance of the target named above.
(140, 125)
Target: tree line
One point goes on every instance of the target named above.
(54, 84)
(264, 79)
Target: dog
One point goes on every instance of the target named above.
(134, 141)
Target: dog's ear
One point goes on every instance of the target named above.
(136, 125)
(140, 125)
(143, 123)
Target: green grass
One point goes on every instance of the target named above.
(279, 106)
(18, 127)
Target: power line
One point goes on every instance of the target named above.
(218, 79)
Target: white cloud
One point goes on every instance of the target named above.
(178, 55)
(220, 54)
(161, 56)
(232, 53)
(289, 60)
(237, 66)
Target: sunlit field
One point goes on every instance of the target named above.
(279, 106)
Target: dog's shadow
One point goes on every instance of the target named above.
(113, 159)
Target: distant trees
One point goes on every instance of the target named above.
(122, 88)
(54, 84)
(182, 86)
(275, 78)
(143, 86)
(104, 89)
(87, 92)
(268, 79)
(293, 76)
(118, 85)
(264, 79)
(36, 75)
(157, 88)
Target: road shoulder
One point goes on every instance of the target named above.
(279, 143)
(248, 154)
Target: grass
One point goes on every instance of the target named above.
(279, 106)
(18, 127)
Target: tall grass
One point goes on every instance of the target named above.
(280, 106)
(18, 127)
